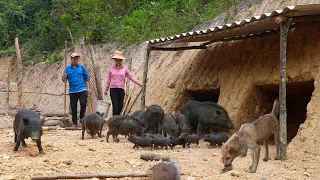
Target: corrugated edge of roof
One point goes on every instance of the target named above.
(235, 24)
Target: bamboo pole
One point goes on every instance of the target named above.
(84, 62)
(284, 27)
(8, 91)
(128, 81)
(145, 74)
(19, 64)
(65, 83)
(89, 176)
(97, 75)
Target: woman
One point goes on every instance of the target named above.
(116, 80)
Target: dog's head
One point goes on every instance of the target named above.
(233, 148)
(229, 153)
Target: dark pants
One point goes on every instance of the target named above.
(82, 96)
(117, 96)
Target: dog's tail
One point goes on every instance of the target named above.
(275, 108)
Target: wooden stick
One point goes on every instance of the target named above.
(84, 62)
(89, 176)
(65, 83)
(19, 63)
(128, 82)
(97, 75)
(126, 104)
(135, 100)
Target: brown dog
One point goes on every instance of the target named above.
(252, 135)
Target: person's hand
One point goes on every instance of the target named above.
(64, 77)
(106, 93)
(89, 91)
(140, 85)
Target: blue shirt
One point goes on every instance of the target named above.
(77, 77)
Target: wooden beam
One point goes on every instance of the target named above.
(177, 48)
(145, 74)
(284, 28)
(20, 76)
(89, 176)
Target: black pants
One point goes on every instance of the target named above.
(117, 96)
(82, 96)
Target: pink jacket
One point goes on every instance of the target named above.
(117, 78)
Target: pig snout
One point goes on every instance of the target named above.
(35, 136)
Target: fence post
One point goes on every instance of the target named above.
(65, 83)
(284, 28)
(8, 91)
(19, 64)
(144, 82)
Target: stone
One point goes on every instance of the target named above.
(55, 149)
(205, 159)
(92, 149)
(68, 162)
(33, 153)
(235, 174)
(82, 143)
(191, 178)
(45, 160)
(5, 157)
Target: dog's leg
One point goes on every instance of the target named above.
(276, 140)
(252, 157)
(266, 156)
(256, 157)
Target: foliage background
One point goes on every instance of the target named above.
(44, 25)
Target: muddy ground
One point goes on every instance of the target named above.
(64, 147)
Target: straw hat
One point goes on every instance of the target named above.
(118, 55)
(75, 55)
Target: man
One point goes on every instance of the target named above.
(78, 78)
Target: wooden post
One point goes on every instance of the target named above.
(128, 81)
(19, 64)
(84, 62)
(144, 83)
(8, 91)
(284, 28)
(97, 75)
(65, 83)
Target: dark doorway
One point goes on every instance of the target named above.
(298, 96)
(204, 95)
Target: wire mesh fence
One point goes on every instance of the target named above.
(42, 86)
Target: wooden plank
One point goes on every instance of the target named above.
(19, 64)
(284, 28)
(89, 176)
(144, 82)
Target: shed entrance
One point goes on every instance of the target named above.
(298, 96)
(204, 95)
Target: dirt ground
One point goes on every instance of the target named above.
(64, 147)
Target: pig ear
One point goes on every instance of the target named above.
(25, 121)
